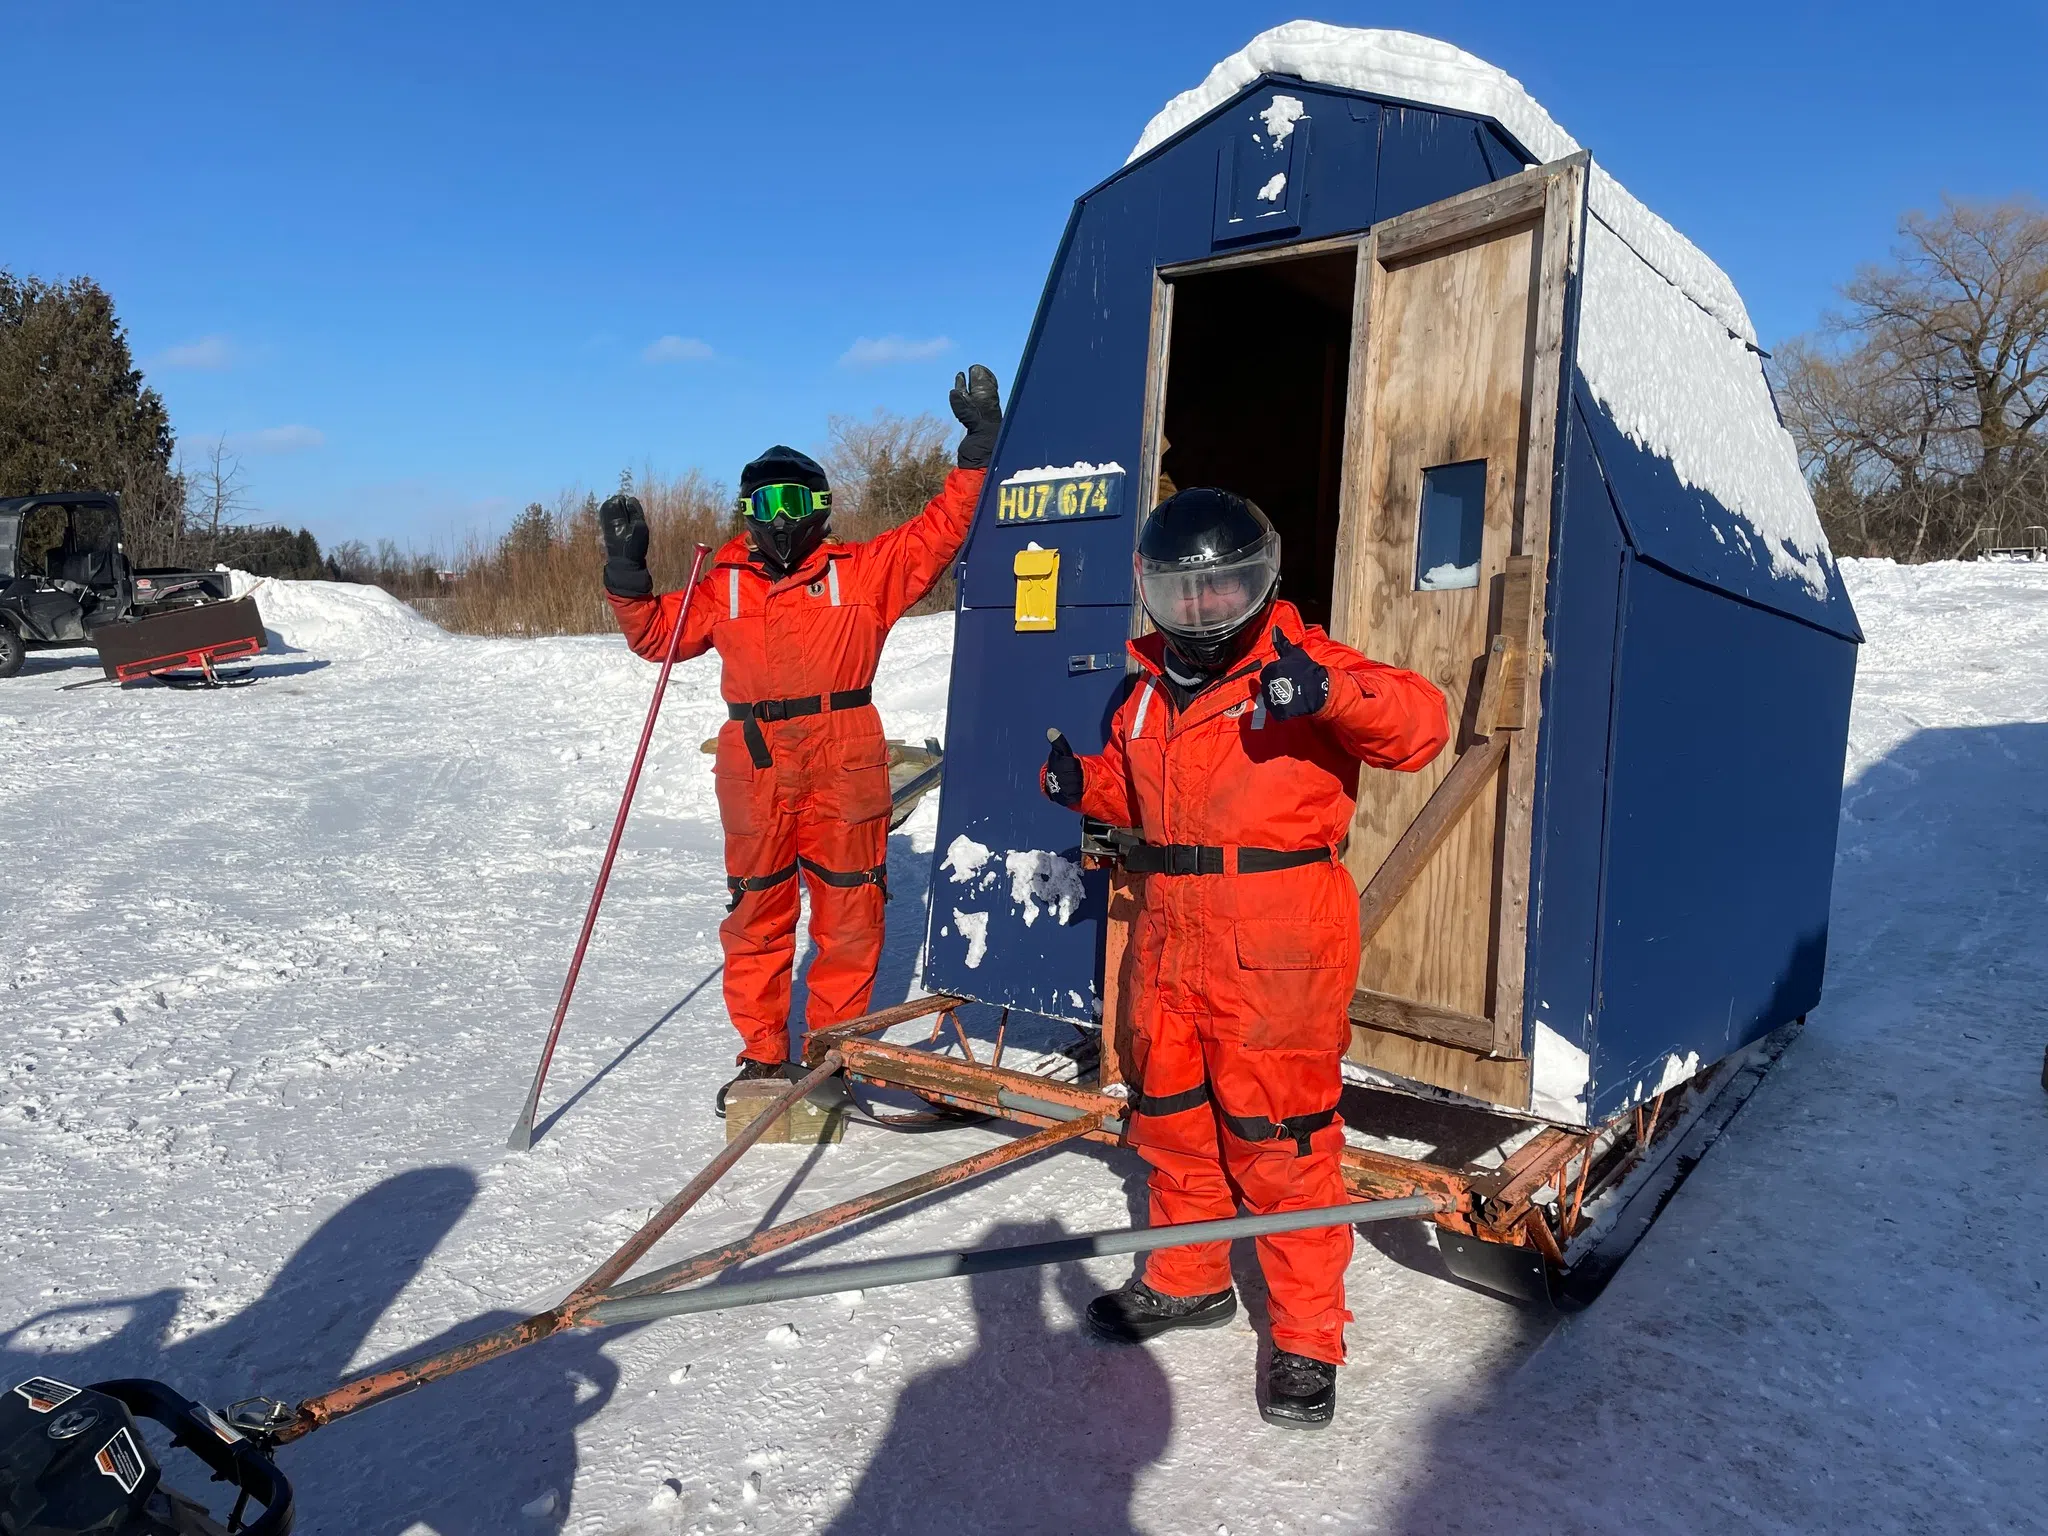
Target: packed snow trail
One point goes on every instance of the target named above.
(278, 959)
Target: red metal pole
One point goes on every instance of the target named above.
(521, 1138)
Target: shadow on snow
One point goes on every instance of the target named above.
(466, 1455)
(1040, 1428)
(1838, 1324)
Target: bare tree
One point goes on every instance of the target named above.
(1919, 410)
(884, 469)
(216, 499)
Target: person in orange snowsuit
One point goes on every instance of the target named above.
(802, 769)
(1236, 758)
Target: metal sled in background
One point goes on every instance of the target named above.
(183, 645)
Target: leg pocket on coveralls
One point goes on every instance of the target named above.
(1295, 980)
(740, 786)
(859, 789)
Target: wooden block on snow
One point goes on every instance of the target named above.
(810, 1120)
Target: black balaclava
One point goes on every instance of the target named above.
(783, 545)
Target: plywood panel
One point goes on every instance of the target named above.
(1446, 380)
(1445, 1066)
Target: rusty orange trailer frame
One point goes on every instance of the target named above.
(1497, 1205)
(1555, 1167)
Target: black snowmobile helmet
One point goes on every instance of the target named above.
(1207, 563)
(786, 502)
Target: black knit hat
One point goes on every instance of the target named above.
(783, 465)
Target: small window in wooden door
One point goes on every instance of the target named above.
(1451, 526)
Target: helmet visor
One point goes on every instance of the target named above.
(1202, 602)
(792, 503)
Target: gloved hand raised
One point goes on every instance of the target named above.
(1061, 779)
(979, 407)
(623, 523)
(1293, 683)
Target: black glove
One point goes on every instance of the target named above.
(1061, 780)
(1294, 682)
(624, 526)
(980, 408)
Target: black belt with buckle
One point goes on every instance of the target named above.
(751, 715)
(1198, 859)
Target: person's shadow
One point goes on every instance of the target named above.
(467, 1456)
(1041, 1428)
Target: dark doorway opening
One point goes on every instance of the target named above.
(1257, 365)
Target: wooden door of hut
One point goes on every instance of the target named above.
(1440, 560)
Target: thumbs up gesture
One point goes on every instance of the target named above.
(1061, 779)
(1293, 683)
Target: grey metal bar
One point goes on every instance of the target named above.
(948, 1263)
(1049, 1109)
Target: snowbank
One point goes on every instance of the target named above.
(1665, 342)
(335, 618)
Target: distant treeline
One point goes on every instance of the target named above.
(75, 415)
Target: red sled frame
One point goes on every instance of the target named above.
(195, 639)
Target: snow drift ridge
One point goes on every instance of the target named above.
(335, 618)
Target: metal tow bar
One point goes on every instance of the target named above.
(606, 1297)
(947, 1263)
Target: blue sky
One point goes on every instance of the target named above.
(422, 264)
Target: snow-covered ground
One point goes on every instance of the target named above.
(278, 960)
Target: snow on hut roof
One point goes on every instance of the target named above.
(1666, 344)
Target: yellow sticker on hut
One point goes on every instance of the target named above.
(1038, 588)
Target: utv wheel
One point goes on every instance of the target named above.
(12, 651)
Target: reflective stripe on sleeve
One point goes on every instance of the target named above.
(1144, 704)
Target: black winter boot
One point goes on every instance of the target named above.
(1137, 1312)
(1300, 1392)
(751, 1071)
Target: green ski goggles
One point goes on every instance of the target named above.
(793, 502)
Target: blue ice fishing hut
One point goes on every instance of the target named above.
(1515, 433)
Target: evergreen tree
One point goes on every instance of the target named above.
(75, 414)
(532, 533)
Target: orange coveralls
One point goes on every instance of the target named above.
(819, 802)
(1241, 979)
